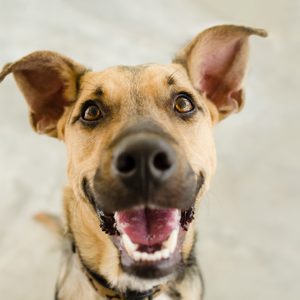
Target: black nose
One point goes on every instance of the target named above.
(143, 160)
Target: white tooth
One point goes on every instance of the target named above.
(171, 242)
(165, 253)
(144, 256)
(128, 244)
(137, 255)
(151, 257)
(157, 255)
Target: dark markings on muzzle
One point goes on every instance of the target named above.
(88, 192)
(188, 215)
(107, 221)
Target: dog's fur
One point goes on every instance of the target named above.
(210, 69)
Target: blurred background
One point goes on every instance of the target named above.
(249, 241)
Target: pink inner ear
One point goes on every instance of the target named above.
(220, 77)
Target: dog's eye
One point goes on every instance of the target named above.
(91, 112)
(183, 104)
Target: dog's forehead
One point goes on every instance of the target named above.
(145, 78)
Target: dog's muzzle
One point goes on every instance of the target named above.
(145, 202)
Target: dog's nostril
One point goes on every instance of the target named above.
(161, 161)
(125, 163)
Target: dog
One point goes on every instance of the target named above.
(141, 156)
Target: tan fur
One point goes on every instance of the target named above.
(133, 94)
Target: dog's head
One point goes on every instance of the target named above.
(140, 145)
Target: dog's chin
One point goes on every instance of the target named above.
(149, 240)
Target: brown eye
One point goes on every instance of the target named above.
(183, 104)
(91, 113)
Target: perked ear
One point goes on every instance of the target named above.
(48, 82)
(216, 62)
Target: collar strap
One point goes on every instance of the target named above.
(101, 281)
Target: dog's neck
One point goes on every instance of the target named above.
(104, 289)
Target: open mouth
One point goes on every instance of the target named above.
(149, 240)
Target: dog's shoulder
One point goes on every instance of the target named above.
(72, 282)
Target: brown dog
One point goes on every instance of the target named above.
(140, 157)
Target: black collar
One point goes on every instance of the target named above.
(127, 295)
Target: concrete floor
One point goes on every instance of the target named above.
(249, 239)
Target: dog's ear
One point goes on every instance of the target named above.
(49, 82)
(216, 62)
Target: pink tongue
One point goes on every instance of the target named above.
(148, 226)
